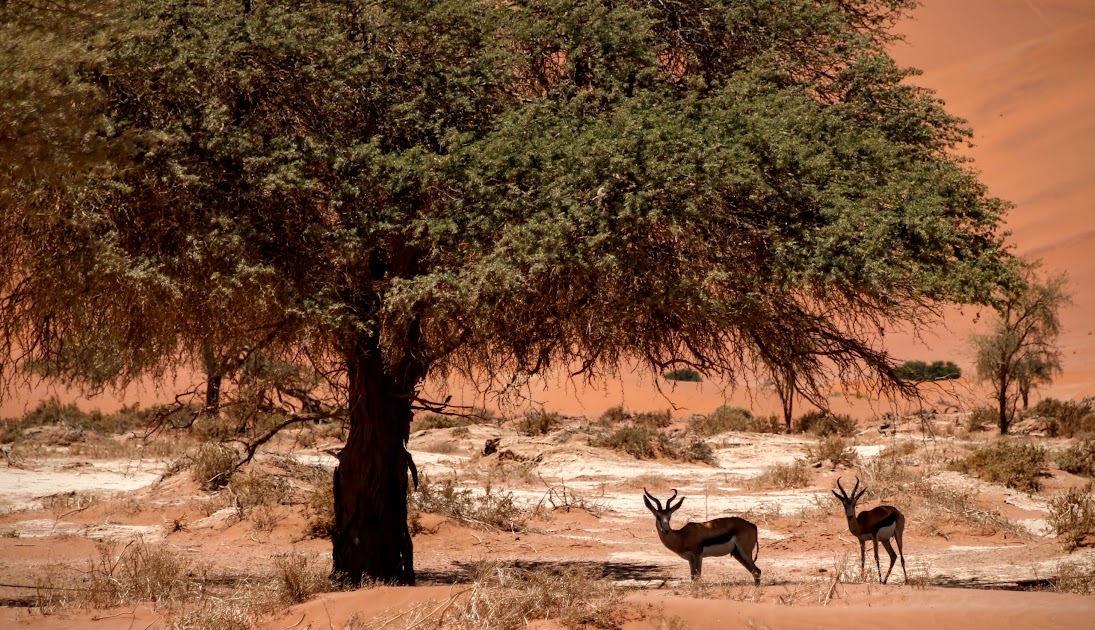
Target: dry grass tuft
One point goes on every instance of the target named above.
(321, 506)
(259, 489)
(1072, 516)
(1077, 577)
(507, 598)
(300, 576)
(140, 572)
(212, 466)
(781, 477)
(490, 510)
(214, 613)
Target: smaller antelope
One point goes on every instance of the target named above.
(696, 541)
(877, 525)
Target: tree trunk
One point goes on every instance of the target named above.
(213, 392)
(1002, 399)
(371, 539)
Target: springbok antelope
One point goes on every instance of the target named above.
(877, 525)
(696, 541)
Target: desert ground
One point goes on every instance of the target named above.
(102, 529)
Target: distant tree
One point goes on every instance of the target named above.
(1020, 351)
(398, 190)
(684, 374)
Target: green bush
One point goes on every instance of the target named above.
(1065, 418)
(1078, 459)
(920, 371)
(728, 418)
(823, 423)
(1012, 464)
(684, 374)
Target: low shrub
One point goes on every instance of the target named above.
(140, 572)
(321, 508)
(982, 418)
(1078, 458)
(823, 423)
(438, 421)
(300, 576)
(491, 510)
(1077, 576)
(834, 450)
(1065, 418)
(212, 466)
(655, 419)
(1013, 464)
(1072, 516)
(638, 442)
(258, 488)
(538, 423)
(728, 418)
(614, 415)
(696, 450)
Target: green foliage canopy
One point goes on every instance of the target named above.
(549, 183)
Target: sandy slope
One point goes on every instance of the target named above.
(1020, 72)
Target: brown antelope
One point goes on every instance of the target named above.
(696, 541)
(877, 525)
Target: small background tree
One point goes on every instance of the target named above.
(1021, 351)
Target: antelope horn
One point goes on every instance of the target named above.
(842, 490)
(861, 492)
(857, 488)
(653, 498)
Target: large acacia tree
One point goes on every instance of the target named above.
(404, 189)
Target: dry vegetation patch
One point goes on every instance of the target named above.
(728, 418)
(1072, 516)
(1013, 464)
(506, 598)
(490, 509)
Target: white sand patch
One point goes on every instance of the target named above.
(44, 527)
(23, 488)
(1036, 526)
(868, 450)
